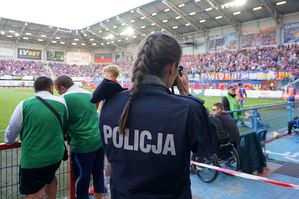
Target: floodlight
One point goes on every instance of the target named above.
(128, 32)
(281, 3)
(257, 8)
(110, 36)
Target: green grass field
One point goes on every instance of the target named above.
(9, 98)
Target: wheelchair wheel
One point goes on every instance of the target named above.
(230, 159)
(206, 175)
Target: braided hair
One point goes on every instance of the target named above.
(155, 52)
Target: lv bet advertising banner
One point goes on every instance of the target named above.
(55, 56)
(26, 53)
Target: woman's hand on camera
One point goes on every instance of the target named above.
(182, 84)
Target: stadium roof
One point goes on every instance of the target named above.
(175, 16)
(65, 14)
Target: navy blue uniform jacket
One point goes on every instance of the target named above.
(105, 90)
(152, 160)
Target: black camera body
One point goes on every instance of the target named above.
(180, 71)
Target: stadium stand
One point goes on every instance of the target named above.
(21, 68)
(260, 59)
(274, 58)
(76, 70)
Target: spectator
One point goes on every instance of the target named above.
(149, 132)
(228, 124)
(108, 86)
(291, 94)
(42, 140)
(230, 103)
(241, 94)
(86, 147)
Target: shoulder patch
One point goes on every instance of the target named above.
(193, 98)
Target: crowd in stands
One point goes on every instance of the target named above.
(284, 57)
(75, 70)
(21, 68)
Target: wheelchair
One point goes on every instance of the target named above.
(227, 157)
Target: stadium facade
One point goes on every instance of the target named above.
(201, 26)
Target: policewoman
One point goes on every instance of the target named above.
(148, 132)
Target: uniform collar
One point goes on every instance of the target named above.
(152, 79)
(43, 93)
(155, 81)
(72, 88)
(75, 89)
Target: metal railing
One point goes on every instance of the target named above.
(273, 117)
(9, 174)
(270, 116)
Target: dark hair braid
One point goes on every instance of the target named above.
(139, 71)
(156, 51)
(141, 65)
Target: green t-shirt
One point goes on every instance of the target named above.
(83, 123)
(41, 134)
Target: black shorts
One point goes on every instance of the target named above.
(33, 180)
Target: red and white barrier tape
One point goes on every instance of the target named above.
(247, 176)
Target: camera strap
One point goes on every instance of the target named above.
(52, 109)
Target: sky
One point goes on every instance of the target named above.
(71, 14)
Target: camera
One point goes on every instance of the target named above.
(180, 71)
